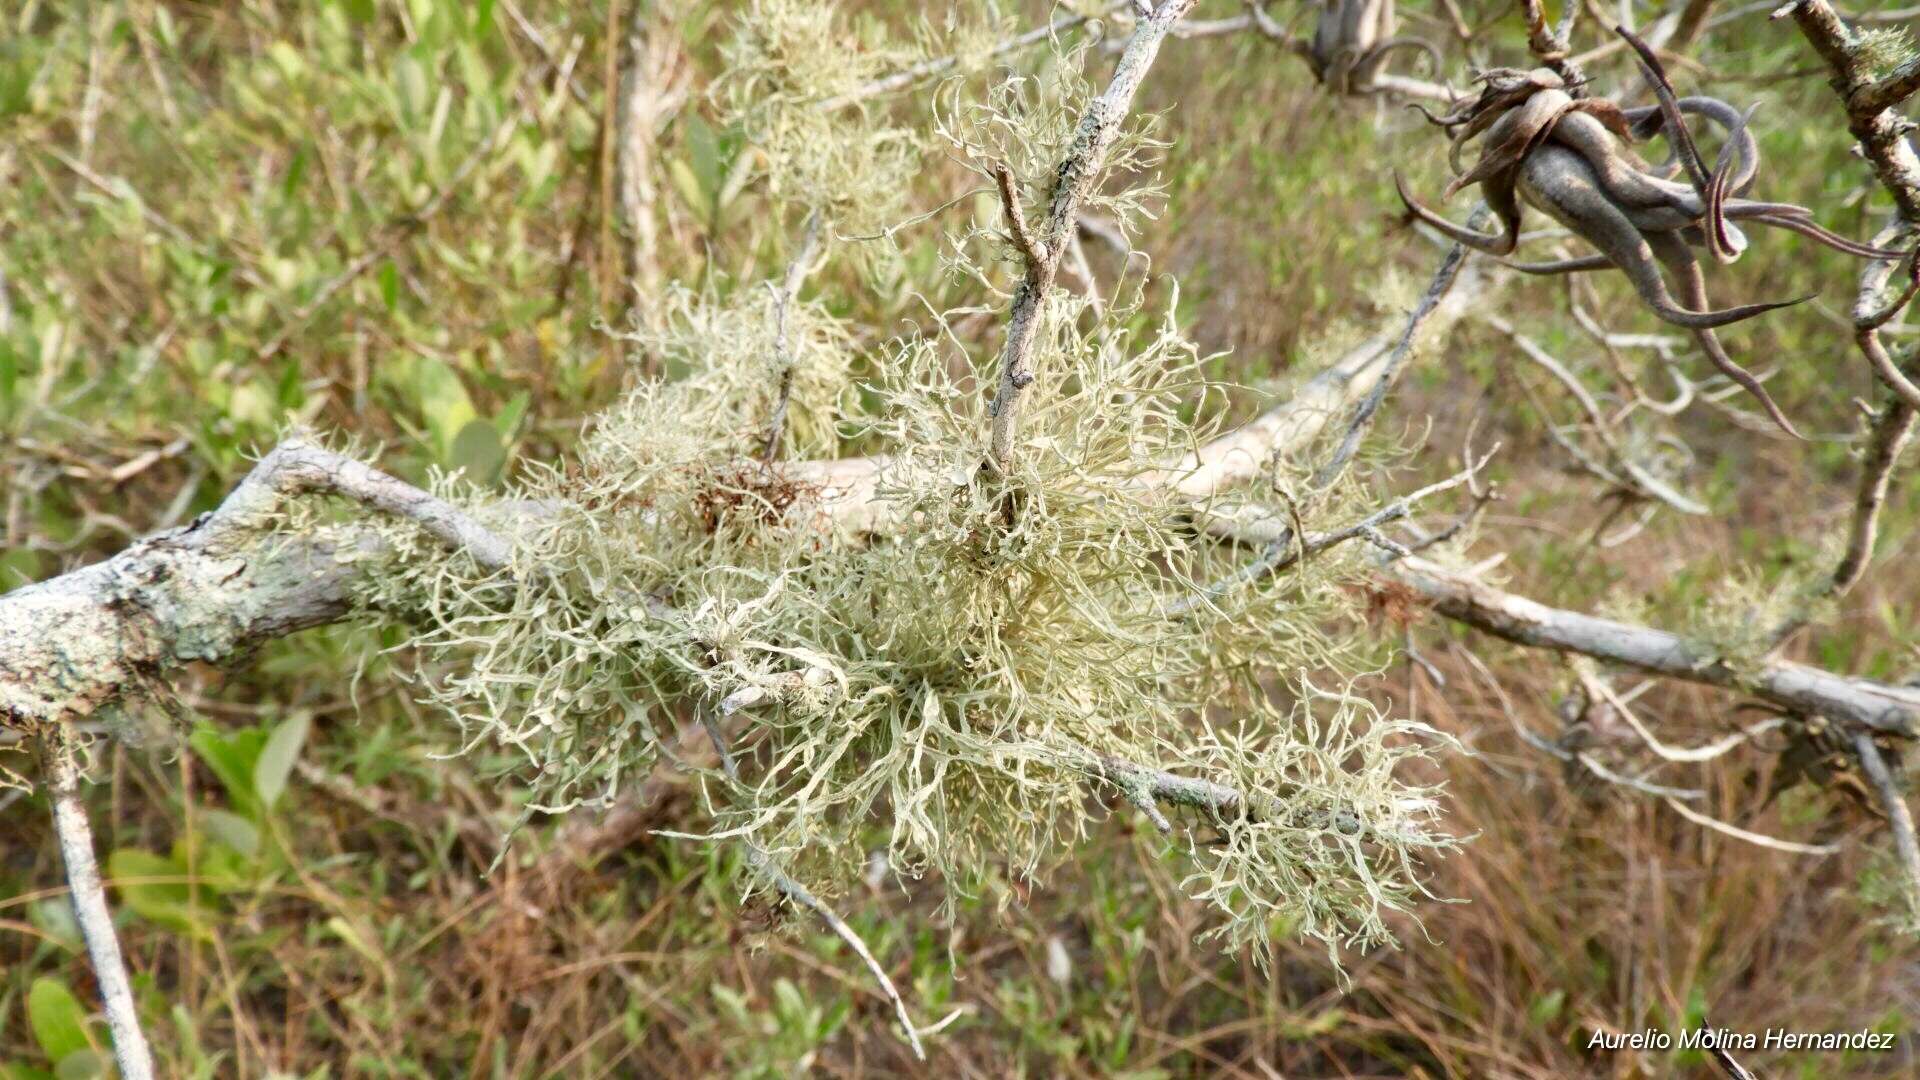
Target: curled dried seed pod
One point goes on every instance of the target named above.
(1352, 40)
(1572, 159)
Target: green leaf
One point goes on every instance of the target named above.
(54, 917)
(482, 23)
(442, 401)
(478, 452)
(232, 830)
(59, 1023)
(232, 758)
(390, 285)
(82, 1065)
(276, 760)
(344, 930)
(704, 148)
(507, 421)
(688, 187)
(163, 902)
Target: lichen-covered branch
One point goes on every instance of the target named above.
(1869, 101)
(1906, 843)
(900, 80)
(208, 591)
(1073, 179)
(1797, 688)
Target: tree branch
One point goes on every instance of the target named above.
(1073, 181)
(1869, 103)
(1797, 688)
(208, 591)
(783, 353)
(62, 768)
(1899, 817)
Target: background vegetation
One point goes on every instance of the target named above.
(401, 219)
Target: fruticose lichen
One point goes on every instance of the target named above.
(959, 678)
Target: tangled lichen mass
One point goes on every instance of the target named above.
(975, 676)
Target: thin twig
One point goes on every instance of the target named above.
(760, 860)
(1899, 816)
(1793, 687)
(130, 1052)
(1757, 839)
(1363, 414)
(782, 350)
(1291, 546)
(297, 466)
(902, 79)
(1687, 754)
(1643, 482)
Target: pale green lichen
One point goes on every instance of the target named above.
(959, 678)
(1884, 48)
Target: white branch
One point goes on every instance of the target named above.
(90, 908)
(1796, 688)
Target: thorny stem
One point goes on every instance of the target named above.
(130, 1052)
(782, 351)
(1073, 181)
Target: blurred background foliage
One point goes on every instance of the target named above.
(411, 222)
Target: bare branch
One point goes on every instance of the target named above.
(1689, 755)
(1290, 547)
(1032, 247)
(1758, 839)
(1642, 482)
(1363, 414)
(62, 767)
(1893, 428)
(1899, 816)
